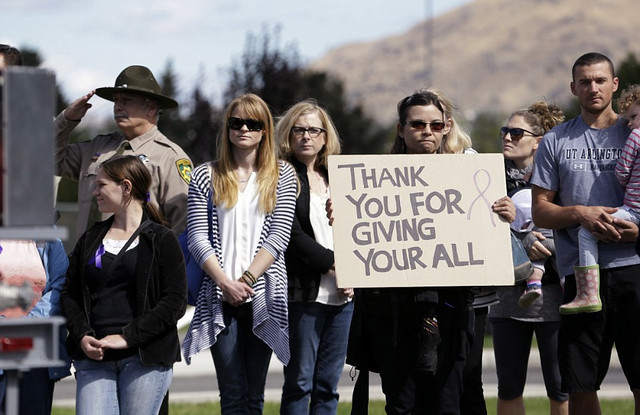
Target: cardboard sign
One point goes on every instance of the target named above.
(419, 220)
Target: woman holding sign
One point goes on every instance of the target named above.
(514, 325)
(246, 201)
(319, 312)
(397, 331)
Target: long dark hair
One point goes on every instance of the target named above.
(133, 169)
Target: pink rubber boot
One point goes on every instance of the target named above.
(587, 291)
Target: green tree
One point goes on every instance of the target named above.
(628, 72)
(204, 124)
(485, 132)
(571, 109)
(267, 70)
(278, 77)
(359, 133)
(32, 58)
(171, 122)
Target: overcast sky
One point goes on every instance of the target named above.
(87, 43)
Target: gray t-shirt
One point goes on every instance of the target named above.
(578, 162)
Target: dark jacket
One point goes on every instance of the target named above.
(161, 294)
(306, 259)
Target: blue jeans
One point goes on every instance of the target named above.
(242, 362)
(123, 386)
(318, 335)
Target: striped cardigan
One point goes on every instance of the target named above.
(269, 304)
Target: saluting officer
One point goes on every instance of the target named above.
(137, 101)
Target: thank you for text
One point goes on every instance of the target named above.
(419, 220)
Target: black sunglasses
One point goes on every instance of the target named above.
(236, 123)
(515, 133)
(421, 125)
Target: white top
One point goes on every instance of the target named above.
(328, 290)
(114, 246)
(240, 229)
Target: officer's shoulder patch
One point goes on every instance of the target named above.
(184, 169)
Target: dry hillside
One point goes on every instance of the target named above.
(488, 55)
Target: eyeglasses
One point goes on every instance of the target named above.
(236, 123)
(421, 125)
(515, 133)
(313, 131)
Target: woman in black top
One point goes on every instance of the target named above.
(319, 311)
(416, 338)
(124, 293)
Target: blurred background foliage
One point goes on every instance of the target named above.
(276, 73)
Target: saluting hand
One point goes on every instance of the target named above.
(79, 107)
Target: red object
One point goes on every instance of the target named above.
(19, 344)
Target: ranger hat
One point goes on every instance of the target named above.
(137, 79)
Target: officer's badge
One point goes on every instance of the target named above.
(184, 169)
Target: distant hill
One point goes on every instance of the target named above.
(488, 55)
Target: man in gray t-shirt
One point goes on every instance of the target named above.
(574, 185)
(576, 162)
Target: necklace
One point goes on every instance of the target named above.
(240, 180)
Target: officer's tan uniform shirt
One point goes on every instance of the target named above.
(169, 165)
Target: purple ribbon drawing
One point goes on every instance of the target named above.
(481, 195)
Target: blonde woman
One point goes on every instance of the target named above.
(239, 215)
(514, 326)
(319, 312)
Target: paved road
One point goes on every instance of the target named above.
(197, 383)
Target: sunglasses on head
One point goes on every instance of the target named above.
(236, 123)
(515, 133)
(421, 125)
(4, 48)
